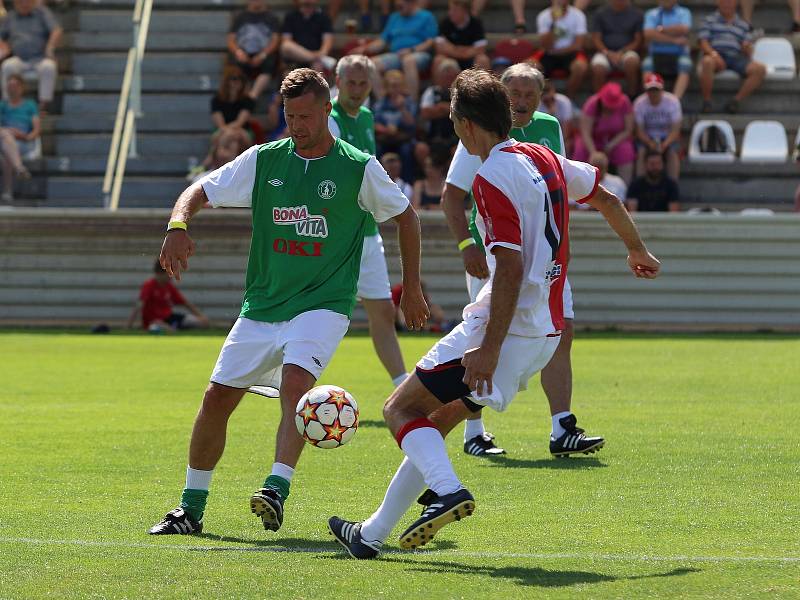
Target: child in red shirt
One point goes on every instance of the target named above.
(156, 299)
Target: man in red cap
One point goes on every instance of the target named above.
(658, 118)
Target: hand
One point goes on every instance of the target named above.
(613, 57)
(241, 56)
(475, 262)
(403, 52)
(414, 308)
(480, 364)
(175, 252)
(643, 264)
(594, 156)
(653, 145)
(202, 320)
(391, 129)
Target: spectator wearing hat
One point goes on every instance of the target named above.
(658, 117)
(727, 43)
(461, 37)
(607, 125)
(617, 37)
(563, 32)
(307, 38)
(654, 191)
(666, 30)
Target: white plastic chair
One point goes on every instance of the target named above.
(695, 155)
(764, 142)
(778, 55)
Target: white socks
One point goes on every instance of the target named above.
(406, 485)
(282, 470)
(558, 430)
(473, 428)
(197, 479)
(425, 448)
(399, 379)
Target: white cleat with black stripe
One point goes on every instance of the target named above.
(574, 440)
(348, 534)
(176, 522)
(482, 445)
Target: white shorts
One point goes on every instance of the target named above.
(520, 359)
(373, 280)
(601, 60)
(253, 349)
(474, 286)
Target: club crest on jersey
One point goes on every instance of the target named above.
(553, 273)
(326, 189)
(304, 223)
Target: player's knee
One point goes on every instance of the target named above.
(219, 401)
(295, 382)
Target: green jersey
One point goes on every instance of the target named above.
(308, 221)
(358, 131)
(543, 129)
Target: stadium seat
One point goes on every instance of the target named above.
(796, 151)
(764, 141)
(778, 55)
(702, 127)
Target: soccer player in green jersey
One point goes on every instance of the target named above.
(311, 196)
(525, 85)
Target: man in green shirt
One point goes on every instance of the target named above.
(310, 196)
(525, 85)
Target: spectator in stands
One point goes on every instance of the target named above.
(428, 190)
(659, 117)
(226, 145)
(654, 191)
(253, 43)
(393, 165)
(409, 35)
(436, 323)
(396, 121)
(666, 30)
(560, 107)
(29, 37)
(462, 38)
(517, 9)
(617, 38)
(726, 43)
(613, 183)
(20, 128)
(231, 106)
(335, 6)
(307, 38)
(563, 32)
(794, 7)
(157, 298)
(607, 126)
(435, 108)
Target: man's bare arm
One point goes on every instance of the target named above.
(412, 302)
(178, 246)
(453, 207)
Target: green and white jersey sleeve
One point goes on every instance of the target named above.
(232, 184)
(379, 195)
(333, 127)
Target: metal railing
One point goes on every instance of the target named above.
(129, 108)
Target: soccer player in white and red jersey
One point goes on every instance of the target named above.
(510, 332)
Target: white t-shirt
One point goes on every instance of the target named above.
(516, 212)
(616, 185)
(571, 24)
(564, 111)
(232, 186)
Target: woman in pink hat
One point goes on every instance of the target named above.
(606, 126)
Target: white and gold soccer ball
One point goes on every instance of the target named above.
(327, 416)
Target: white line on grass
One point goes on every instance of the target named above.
(328, 550)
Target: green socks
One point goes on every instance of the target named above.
(193, 502)
(278, 483)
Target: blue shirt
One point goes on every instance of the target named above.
(724, 36)
(386, 113)
(656, 17)
(406, 32)
(20, 116)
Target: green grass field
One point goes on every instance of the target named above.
(695, 494)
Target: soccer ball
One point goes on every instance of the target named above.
(327, 416)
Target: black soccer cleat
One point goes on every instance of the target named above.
(482, 445)
(574, 440)
(176, 522)
(438, 512)
(348, 534)
(267, 503)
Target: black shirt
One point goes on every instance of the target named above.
(231, 110)
(467, 36)
(307, 32)
(617, 28)
(653, 197)
(254, 31)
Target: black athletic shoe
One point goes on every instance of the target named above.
(438, 512)
(574, 440)
(176, 522)
(348, 534)
(482, 445)
(267, 503)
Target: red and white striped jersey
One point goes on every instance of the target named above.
(522, 191)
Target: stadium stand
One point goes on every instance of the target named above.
(184, 59)
(704, 149)
(778, 55)
(764, 142)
